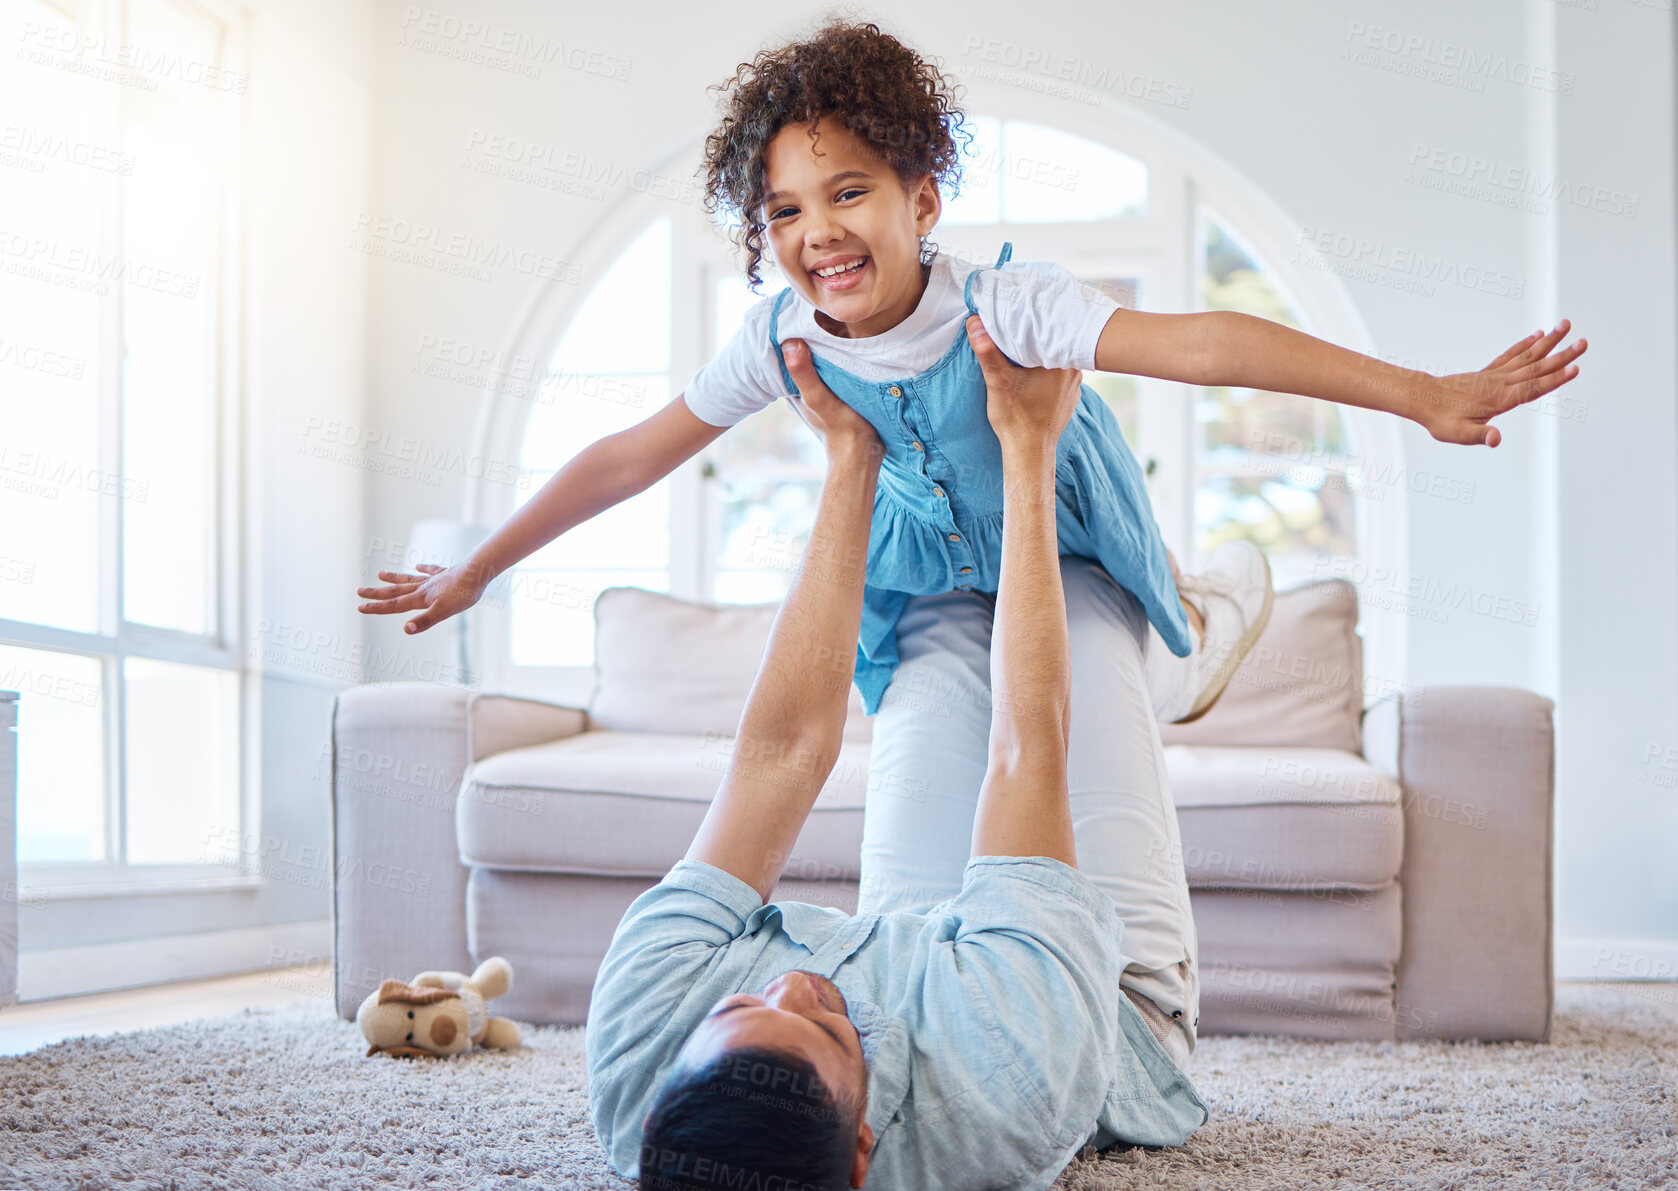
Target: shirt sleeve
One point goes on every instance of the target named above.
(1040, 315)
(1036, 953)
(742, 378)
(652, 986)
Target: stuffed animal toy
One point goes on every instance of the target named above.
(438, 1013)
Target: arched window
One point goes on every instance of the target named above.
(1157, 229)
(1273, 468)
(611, 370)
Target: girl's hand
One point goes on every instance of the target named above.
(1456, 408)
(1026, 406)
(441, 592)
(841, 429)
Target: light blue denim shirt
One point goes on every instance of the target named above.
(997, 1039)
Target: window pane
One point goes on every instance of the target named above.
(61, 753)
(183, 763)
(1050, 176)
(624, 326)
(1232, 280)
(733, 298)
(170, 222)
(774, 437)
(1285, 516)
(766, 524)
(611, 370)
(1119, 389)
(769, 467)
(1249, 484)
(51, 285)
(980, 197)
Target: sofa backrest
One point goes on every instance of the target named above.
(664, 664)
(1302, 684)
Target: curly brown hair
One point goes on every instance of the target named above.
(880, 89)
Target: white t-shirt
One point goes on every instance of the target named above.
(1038, 313)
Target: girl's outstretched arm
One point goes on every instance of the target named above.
(1225, 347)
(598, 477)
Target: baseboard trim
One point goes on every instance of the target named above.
(1617, 959)
(105, 967)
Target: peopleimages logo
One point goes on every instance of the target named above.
(1504, 181)
(98, 55)
(78, 266)
(1372, 258)
(368, 447)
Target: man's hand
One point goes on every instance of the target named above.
(841, 429)
(1027, 407)
(1456, 408)
(441, 592)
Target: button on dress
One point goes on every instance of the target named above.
(937, 520)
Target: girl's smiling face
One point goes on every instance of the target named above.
(832, 202)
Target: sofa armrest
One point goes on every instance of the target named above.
(1477, 765)
(496, 723)
(398, 887)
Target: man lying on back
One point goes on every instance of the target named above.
(786, 1047)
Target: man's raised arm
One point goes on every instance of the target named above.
(1023, 809)
(794, 720)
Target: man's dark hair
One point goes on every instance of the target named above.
(754, 1111)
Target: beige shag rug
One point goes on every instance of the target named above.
(282, 1098)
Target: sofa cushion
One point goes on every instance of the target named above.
(1295, 963)
(628, 804)
(1302, 684)
(664, 664)
(1300, 818)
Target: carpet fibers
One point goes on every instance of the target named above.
(282, 1097)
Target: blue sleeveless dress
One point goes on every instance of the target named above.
(937, 522)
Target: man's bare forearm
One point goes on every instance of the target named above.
(1023, 809)
(804, 684)
(1247, 351)
(794, 721)
(1030, 666)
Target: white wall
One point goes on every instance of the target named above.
(1612, 484)
(1573, 516)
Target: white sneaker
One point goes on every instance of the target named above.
(1233, 596)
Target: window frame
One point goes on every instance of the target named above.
(1160, 247)
(115, 640)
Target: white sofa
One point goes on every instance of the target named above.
(1355, 873)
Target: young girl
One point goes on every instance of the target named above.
(831, 153)
(832, 150)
